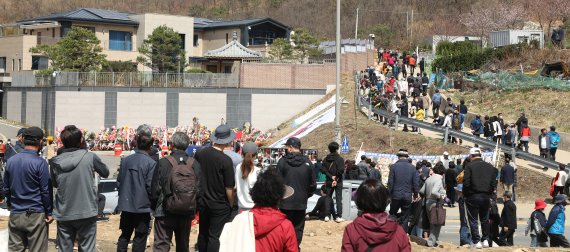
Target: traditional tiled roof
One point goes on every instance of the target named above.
(87, 15)
(233, 50)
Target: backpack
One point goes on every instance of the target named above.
(182, 185)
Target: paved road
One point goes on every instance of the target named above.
(450, 233)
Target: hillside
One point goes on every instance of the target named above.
(315, 15)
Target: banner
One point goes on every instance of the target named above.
(313, 112)
(383, 161)
(308, 127)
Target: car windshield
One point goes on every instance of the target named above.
(107, 186)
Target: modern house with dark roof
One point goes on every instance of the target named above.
(122, 33)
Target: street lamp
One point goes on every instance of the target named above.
(337, 134)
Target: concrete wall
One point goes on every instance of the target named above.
(210, 108)
(214, 39)
(181, 24)
(14, 106)
(16, 49)
(34, 108)
(270, 110)
(135, 108)
(83, 109)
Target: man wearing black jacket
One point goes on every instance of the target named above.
(479, 183)
(508, 220)
(297, 171)
(333, 168)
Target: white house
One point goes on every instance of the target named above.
(513, 37)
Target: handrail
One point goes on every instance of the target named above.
(462, 135)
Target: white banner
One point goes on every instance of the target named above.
(308, 127)
(313, 112)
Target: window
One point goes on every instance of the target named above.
(39, 62)
(19, 65)
(2, 64)
(53, 33)
(13, 65)
(227, 38)
(120, 40)
(39, 38)
(182, 41)
(227, 69)
(195, 43)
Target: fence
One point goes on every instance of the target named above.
(362, 102)
(131, 79)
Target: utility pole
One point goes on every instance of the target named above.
(412, 28)
(407, 25)
(337, 133)
(356, 29)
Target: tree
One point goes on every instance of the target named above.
(383, 34)
(162, 51)
(306, 45)
(547, 12)
(281, 49)
(79, 50)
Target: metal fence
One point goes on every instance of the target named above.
(482, 142)
(136, 79)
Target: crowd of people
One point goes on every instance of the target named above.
(232, 191)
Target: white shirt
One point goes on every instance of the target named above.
(497, 128)
(403, 86)
(447, 121)
(543, 142)
(244, 185)
(562, 176)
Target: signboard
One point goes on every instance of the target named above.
(344, 147)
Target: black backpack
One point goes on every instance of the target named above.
(182, 184)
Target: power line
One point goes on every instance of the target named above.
(404, 12)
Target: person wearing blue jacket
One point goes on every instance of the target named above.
(554, 141)
(436, 102)
(477, 126)
(555, 223)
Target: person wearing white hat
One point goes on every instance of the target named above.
(479, 184)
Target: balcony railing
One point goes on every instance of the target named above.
(131, 79)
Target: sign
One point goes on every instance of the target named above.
(344, 147)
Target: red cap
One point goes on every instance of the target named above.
(539, 204)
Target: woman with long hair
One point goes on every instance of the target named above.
(246, 176)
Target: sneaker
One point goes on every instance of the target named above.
(478, 245)
(485, 244)
(307, 217)
(102, 218)
(339, 220)
(327, 219)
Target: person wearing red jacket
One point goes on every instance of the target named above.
(374, 230)
(273, 231)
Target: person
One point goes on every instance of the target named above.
(13, 149)
(422, 65)
(420, 116)
(521, 122)
(476, 126)
(317, 168)
(488, 129)
(374, 230)
(134, 183)
(72, 172)
(363, 167)
(445, 160)
(333, 168)
(498, 129)
(450, 183)
(404, 110)
(246, 176)
(403, 186)
(322, 208)
(426, 101)
(436, 103)
(464, 232)
(525, 134)
(556, 221)
(479, 183)
(508, 220)
(554, 141)
(544, 144)
(507, 177)
(560, 178)
(434, 193)
(296, 170)
(217, 184)
(536, 224)
(167, 197)
(28, 194)
(2, 150)
(273, 231)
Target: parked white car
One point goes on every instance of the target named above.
(351, 185)
(110, 189)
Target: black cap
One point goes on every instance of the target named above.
(293, 142)
(21, 131)
(33, 133)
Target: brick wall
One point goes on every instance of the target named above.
(300, 76)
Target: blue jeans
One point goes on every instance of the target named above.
(464, 236)
(417, 231)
